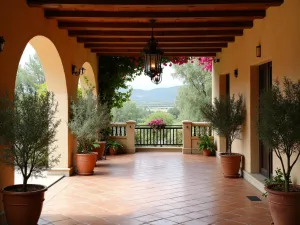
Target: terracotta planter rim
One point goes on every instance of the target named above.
(223, 154)
(6, 192)
(90, 153)
(275, 192)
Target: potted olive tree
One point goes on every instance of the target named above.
(278, 128)
(87, 117)
(27, 131)
(227, 117)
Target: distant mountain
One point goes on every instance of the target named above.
(155, 97)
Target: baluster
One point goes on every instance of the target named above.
(150, 137)
(124, 131)
(194, 130)
(147, 136)
(173, 136)
(140, 130)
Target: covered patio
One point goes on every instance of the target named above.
(155, 188)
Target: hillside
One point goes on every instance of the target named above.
(155, 97)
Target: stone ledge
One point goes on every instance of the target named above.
(67, 172)
(158, 149)
(257, 180)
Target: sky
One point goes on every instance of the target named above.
(140, 82)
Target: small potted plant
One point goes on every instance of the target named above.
(27, 131)
(227, 117)
(99, 146)
(114, 147)
(206, 145)
(278, 129)
(88, 116)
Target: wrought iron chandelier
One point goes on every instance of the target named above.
(152, 59)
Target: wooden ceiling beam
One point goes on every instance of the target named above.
(207, 4)
(164, 45)
(250, 14)
(165, 50)
(157, 34)
(162, 40)
(201, 54)
(147, 26)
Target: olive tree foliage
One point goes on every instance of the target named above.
(226, 116)
(279, 124)
(88, 118)
(27, 129)
(195, 92)
(129, 111)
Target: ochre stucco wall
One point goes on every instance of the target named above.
(279, 36)
(19, 24)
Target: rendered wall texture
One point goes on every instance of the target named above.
(279, 36)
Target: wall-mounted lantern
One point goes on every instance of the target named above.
(77, 72)
(216, 60)
(2, 42)
(236, 73)
(258, 51)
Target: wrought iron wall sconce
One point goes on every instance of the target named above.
(77, 72)
(2, 41)
(236, 73)
(216, 60)
(258, 51)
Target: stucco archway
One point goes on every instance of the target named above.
(56, 83)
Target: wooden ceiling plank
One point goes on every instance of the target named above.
(254, 14)
(107, 26)
(203, 54)
(157, 34)
(162, 40)
(165, 50)
(164, 45)
(207, 4)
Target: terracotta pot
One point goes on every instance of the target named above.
(284, 206)
(231, 164)
(23, 208)
(86, 163)
(100, 149)
(112, 151)
(206, 152)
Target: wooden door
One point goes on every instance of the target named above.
(265, 155)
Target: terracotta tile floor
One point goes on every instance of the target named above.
(157, 189)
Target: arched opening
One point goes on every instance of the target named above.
(46, 72)
(87, 80)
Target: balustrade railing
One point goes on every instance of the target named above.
(201, 128)
(170, 135)
(118, 129)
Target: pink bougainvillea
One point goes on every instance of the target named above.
(204, 62)
(157, 124)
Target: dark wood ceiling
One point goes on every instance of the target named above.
(182, 28)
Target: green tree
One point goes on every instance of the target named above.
(167, 117)
(195, 92)
(31, 74)
(116, 72)
(129, 111)
(174, 111)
